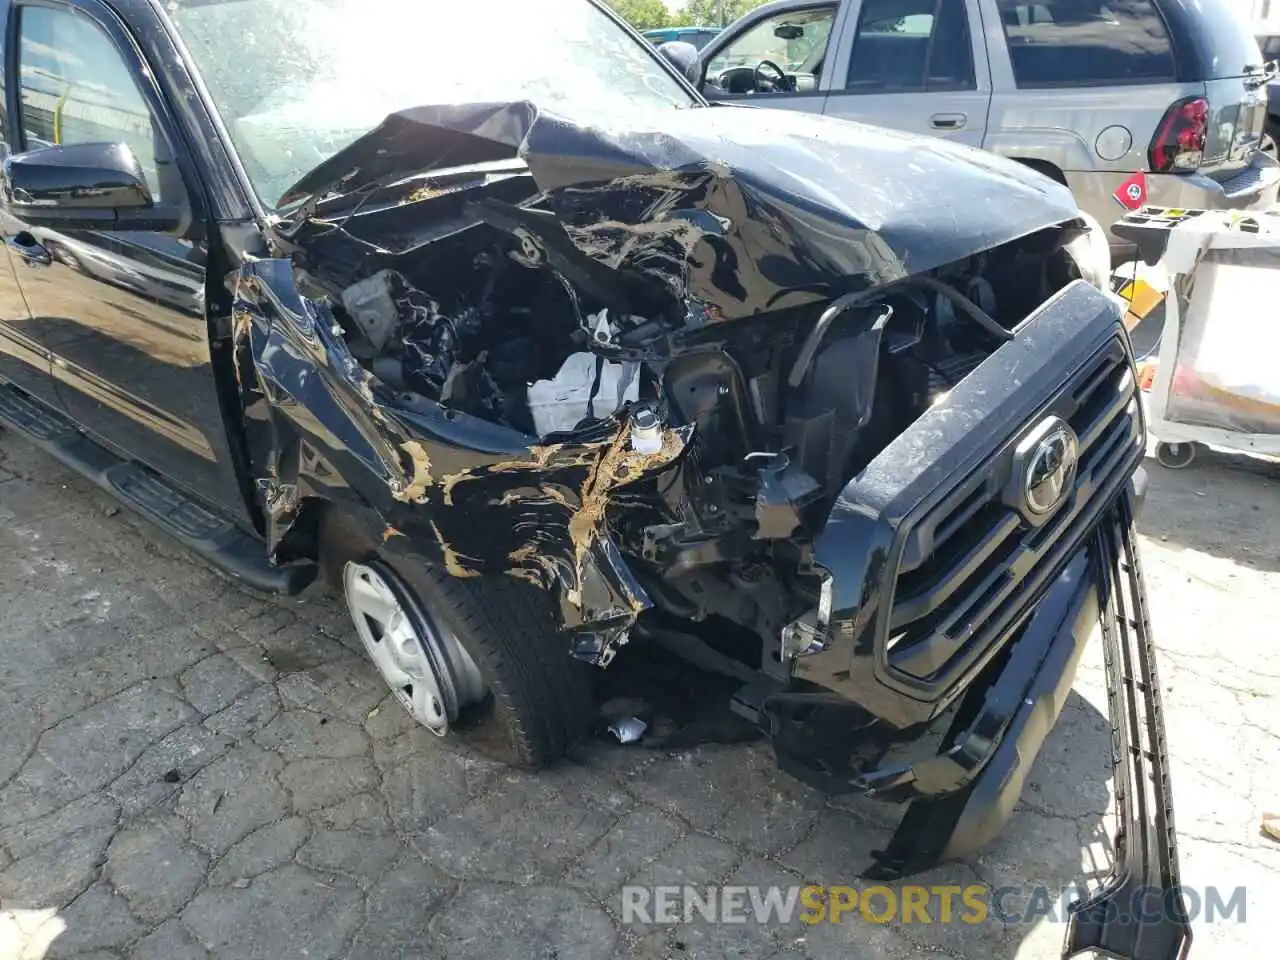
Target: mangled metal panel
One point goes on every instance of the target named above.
(704, 215)
(471, 496)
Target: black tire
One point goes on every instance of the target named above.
(540, 699)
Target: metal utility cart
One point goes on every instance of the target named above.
(1217, 379)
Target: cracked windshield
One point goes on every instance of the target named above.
(327, 71)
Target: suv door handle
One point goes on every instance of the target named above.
(947, 121)
(31, 250)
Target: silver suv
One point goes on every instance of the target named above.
(1086, 91)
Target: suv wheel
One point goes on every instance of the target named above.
(479, 660)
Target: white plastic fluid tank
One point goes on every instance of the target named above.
(562, 403)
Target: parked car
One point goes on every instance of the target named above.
(1269, 44)
(698, 36)
(1085, 91)
(535, 361)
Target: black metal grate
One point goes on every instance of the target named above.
(974, 564)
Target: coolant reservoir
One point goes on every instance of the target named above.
(563, 402)
(646, 431)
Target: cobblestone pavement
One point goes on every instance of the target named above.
(189, 771)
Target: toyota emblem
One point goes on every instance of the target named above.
(1050, 468)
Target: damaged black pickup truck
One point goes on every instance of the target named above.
(533, 354)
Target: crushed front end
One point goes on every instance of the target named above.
(969, 565)
(735, 383)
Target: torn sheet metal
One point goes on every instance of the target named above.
(628, 729)
(470, 495)
(704, 215)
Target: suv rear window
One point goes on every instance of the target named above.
(1223, 32)
(1056, 43)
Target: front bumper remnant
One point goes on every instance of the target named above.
(961, 796)
(1138, 913)
(964, 795)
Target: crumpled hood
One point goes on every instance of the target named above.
(739, 210)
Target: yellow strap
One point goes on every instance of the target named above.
(57, 116)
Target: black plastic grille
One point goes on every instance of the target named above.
(974, 564)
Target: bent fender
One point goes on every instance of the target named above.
(438, 478)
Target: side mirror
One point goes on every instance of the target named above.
(83, 186)
(684, 57)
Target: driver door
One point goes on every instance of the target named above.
(120, 312)
(738, 65)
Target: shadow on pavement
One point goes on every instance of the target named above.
(1059, 839)
(247, 787)
(1223, 504)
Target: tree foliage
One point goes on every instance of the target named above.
(652, 14)
(707, 12)
(643, 14)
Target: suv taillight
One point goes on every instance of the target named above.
(1179, 140)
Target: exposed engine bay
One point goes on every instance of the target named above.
(845, 415)
(482, 330)
(474, 292)
(644, 373)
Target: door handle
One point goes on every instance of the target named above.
(29, 249)
(947, 121)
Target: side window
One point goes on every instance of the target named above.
(1086, 42)
(796, 41)
(904, 46)
(76, 88)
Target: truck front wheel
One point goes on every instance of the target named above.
(478, 660)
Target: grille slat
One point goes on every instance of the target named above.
(927, 597)
(974, 565)
(957, 510)
(1089, 431)
(972, 504)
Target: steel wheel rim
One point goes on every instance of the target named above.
(425, 665)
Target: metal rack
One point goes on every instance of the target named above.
(1180, 242)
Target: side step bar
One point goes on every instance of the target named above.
(148, 494)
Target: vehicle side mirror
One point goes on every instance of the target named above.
(684, 57)
(83, 186)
